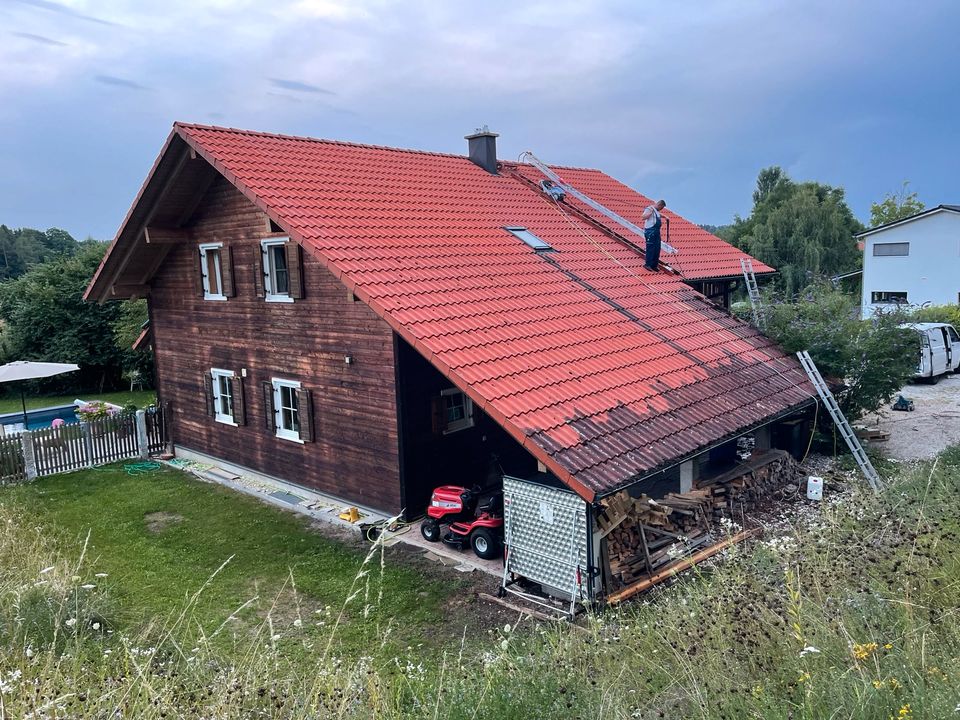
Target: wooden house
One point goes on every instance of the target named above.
(370, 322)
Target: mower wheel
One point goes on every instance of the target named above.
(430, 529)
(485, 544)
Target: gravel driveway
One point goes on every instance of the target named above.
(933, 426)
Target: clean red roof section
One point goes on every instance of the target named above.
(603, 370)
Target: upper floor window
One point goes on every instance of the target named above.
(891, 249)
(216, 271)
(279, 270)
(224, 393)
(889, 296)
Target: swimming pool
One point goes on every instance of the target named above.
(38, 418)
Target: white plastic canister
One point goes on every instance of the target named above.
(814, 488)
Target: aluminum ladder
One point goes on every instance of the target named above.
(590, 202)
(753, 291)
(849, 436)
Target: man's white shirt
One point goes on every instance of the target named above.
(650, 217)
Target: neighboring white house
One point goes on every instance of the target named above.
(913, 261)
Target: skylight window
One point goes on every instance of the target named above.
(529, 238)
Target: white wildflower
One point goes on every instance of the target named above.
(88, 586)
(506, 628)
(298, 622)
(70, 622)
(808, 650)
(96, 626)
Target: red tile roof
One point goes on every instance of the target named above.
(604, 371)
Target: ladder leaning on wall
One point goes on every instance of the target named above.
(849, 436)
(753, 291)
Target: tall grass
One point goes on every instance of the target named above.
(849, 611)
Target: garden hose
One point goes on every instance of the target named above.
(141, 468)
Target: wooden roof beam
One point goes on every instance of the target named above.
(165, 235)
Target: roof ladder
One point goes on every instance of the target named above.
(849, 436)
(602, 209)
(753, 291)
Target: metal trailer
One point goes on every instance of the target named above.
(549, 540)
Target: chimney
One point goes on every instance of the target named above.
(483, 149)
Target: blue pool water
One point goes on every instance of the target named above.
(39, 418)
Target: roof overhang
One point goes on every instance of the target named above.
(955, 209)
(166, 200)
(800, 407)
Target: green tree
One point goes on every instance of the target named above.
(22, 248)
(895, 206)
(805, 230)
(45, 318)
(875, 358)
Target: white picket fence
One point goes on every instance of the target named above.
(72, 446)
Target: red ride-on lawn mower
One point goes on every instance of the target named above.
(473, 516)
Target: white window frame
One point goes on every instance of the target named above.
(281, 431)
(216, 374)
(207, 295)
(463, 423)
(269, 295)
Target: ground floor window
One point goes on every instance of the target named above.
(224, 396)
(290, 410)
(898, 297)
(457, 410)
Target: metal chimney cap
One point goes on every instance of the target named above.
(481, 132)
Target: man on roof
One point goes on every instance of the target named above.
(651, 231)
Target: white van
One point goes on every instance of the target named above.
(939, 350)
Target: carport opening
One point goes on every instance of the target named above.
(444, 438)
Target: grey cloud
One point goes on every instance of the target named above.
(298, 86)
(64, 10)
(39, 38)
(120, 82)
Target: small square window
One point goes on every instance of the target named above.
(457, 410)
(211, 268)
(529, 238)
(223, 400)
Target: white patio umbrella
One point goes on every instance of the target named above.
(27, 370)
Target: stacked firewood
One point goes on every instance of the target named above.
(643, 535)
(743, 489)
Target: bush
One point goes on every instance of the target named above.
(938, 314)
(874, 358)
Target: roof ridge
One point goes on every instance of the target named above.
(308, 138)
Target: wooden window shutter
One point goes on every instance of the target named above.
(295, 268)
(208, 394)
(229, 289)
(438, 412)
(198, 273)
(239, 401)
(258, 271)
(268, 411)
(305, 409)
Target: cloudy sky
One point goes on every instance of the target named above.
(685, 100)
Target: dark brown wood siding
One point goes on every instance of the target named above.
(354, 454)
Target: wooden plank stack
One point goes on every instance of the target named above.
(644, 535)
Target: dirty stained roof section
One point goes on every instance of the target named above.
(604, 371)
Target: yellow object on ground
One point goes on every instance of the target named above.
(351, 514)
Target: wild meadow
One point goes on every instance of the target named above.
(847, 609)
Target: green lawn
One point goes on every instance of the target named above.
(140, 398)
(160, 536)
